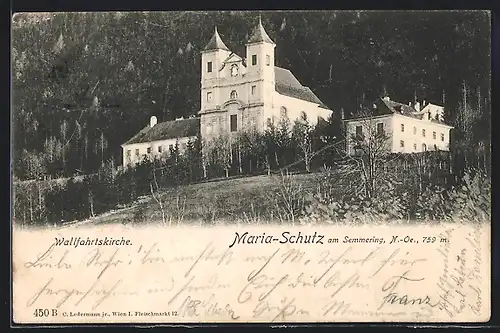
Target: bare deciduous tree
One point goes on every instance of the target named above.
(368, 150)
(302, 134)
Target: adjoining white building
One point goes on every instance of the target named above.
(242, 93)
(157, 139)
(410, 129)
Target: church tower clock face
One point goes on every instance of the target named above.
(234, 70)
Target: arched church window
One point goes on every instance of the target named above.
(284, 112)
(233, 94)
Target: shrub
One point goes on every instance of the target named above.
(471, 200)
(396, 200)
(387, 204)
(432, 204)
(288, 198)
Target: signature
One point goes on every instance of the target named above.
(192, 307)
(395, 298)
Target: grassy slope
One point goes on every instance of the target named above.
(250, 199)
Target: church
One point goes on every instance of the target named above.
(237, 94)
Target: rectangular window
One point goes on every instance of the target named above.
(414, 146)
(137, 152)
(402, 144)
(442, 136)
(254, 59)
(160, 148)
(209, 96)
(423, 133)
(128, 155)
(254, 88)
(209, 67)
(234, 123)
(434, 135)
(149, 150)
(414, 130)
(268, 60)
(359, 132)
(402, 127)
(380, 129)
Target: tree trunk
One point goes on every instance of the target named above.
(102, 148)
(239, 160)
(372, 176)
(86, 148)
(31, 206)
(365, 179)
(40, 206)
(91, 203)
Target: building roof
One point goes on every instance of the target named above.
(389, 106)
(386, 107)
(167, 130)
(216, 43)
(287, 84)
(403, 109)
(259, 35)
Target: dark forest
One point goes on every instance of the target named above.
(84, 83)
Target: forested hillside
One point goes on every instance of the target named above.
(85, 83)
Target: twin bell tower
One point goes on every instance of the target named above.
(226, 76)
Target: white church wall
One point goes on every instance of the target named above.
(295, 107)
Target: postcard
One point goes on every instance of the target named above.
(251, 167)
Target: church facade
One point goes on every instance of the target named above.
(248, 93)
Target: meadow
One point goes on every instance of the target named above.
(259, 199)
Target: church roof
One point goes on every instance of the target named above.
(216, 43)
(287, 84)
(167, 130)
(259, 35)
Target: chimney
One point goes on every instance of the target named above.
(387, 98)
(424, 103)
(342, 114)
(409, 104)
(153, 121)
(417, 106)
